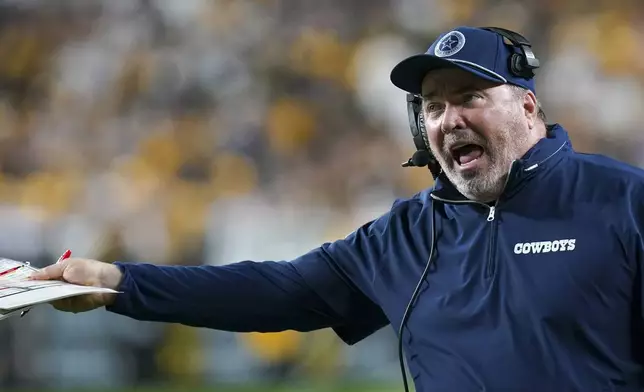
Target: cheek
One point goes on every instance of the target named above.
(491, 127)
(433, 132)
(500, 144)
(484, 122)
(435, 138)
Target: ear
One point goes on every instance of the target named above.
(530, 108)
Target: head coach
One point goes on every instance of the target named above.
(519, 270)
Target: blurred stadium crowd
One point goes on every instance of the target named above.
(208, 132)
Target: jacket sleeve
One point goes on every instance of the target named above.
(633, 219)
(316, 290)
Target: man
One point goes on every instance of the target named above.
(535, 250)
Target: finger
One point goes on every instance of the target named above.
(74, 304)
(54, 271)
(64, 304)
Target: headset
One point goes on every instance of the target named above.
(521, 65)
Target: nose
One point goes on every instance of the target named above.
(452, 119)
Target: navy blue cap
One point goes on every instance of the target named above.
(481, 52)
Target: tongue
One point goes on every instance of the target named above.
(469, 153)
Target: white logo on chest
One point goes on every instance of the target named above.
(524, 248)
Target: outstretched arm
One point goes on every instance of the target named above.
(246, 296)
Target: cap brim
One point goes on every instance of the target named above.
(409, 74)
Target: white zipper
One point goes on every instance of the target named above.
(490, 216)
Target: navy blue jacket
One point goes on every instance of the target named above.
(541, 291)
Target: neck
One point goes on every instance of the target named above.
(537, 133)
(540, 130)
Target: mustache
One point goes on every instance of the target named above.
(462, 138)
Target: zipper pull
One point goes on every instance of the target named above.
(490, 216)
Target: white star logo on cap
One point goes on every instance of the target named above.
(450, 44)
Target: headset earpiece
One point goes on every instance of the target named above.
(521, 64)
(416, 123)
(423, 156)
(516, 66)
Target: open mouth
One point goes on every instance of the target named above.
(466, 154)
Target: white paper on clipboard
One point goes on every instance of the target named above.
(17, 293)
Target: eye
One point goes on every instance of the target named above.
(432, 107)
(469, 97)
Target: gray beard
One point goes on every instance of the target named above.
(482, 186)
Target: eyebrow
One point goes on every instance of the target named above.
(430, 95)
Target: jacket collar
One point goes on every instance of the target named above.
(542, 156)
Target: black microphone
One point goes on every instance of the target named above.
(419, 159)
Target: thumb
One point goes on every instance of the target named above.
(51, 272)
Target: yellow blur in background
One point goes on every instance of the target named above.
(208, 132)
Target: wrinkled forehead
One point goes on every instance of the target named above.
(447, 81)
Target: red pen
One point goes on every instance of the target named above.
(10, 270)
(64, 256)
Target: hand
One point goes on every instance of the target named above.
(84, 272)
